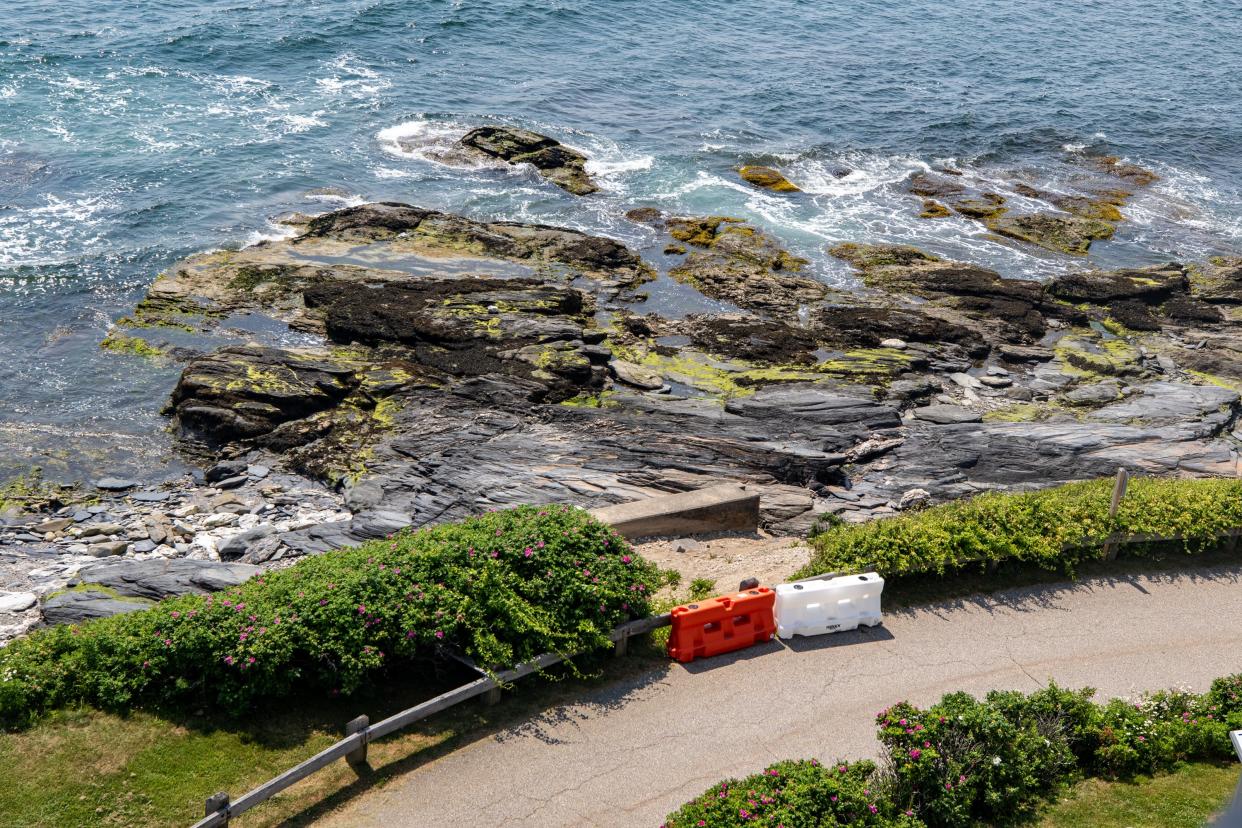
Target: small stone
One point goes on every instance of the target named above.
(898, 344)
(965, 380)
(947, 414)
(55, 525)
(114, 484)
(144, 546)
(237, 545)
(149, 497)
(913, 497)
(687, 545)
(636, 375)
(81, 515)
(492, 309)
(224, 470)
(258, 472)
(997, 371)
(16, 601)
(1020, 394)
(101, 529)
(232, 482)
(97, 509)
(996, 382)
(219, 519)
(103, 550)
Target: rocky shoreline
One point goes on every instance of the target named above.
(442, 366)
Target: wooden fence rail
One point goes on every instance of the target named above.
(353, 748)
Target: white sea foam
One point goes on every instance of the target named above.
(273, 232)
(351, 79)
(437, 141)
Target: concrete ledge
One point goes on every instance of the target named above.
(729, 507)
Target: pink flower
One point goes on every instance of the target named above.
(146, 664)
(915, 753)
(872, 808)
(439, 633)
(528, 552)
(362, 610)
(626, 559)
(228, 660)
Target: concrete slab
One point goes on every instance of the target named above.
(728, 507)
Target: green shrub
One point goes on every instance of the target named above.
(803, 793)
(503, 588)
(1055, 529)
(966, 761)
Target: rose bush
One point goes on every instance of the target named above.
(502, 588)
(990, 761)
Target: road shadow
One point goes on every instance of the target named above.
(797, 644)
(1044, 597)
(530, 710)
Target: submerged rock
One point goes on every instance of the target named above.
(1058, 233)
(564, 167)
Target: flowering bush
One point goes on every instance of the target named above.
(503, 587)
(793, 794)
(1055, 529)
(966, 761)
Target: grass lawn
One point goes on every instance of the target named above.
(85, 767)
(1186, 798)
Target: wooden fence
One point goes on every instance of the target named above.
(360, 732)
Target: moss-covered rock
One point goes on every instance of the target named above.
(768, 179)
(1088, 353)
(1133, 173)
(1059, 233)
(741, 264)
(934, 209)
(564, 167)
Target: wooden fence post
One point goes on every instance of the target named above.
(214, 803)
(1119, 491)
(492, 697)
(357, 758)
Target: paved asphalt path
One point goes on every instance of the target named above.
(628, 755)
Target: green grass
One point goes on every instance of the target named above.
(1186, 798)
(86, 767)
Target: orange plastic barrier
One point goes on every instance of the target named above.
(722, 625)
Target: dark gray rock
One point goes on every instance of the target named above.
(107, 548)
(1171, 402)
(236, 546)
(362, 495)
(947, 414)
(74, 607)
(232, 482)
(143, 546)
(115, 484)
(816, 404)
(157, 578)
(150, 497)
(378, 524)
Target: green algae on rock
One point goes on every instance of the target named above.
(564, 167)
(768, 179)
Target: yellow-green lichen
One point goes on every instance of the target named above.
(120, 343)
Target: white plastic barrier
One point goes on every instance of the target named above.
(825, 605)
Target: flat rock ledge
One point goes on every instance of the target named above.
(446, 366)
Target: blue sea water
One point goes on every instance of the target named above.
(133, 133)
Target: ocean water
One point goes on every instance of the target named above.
(134, 133)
